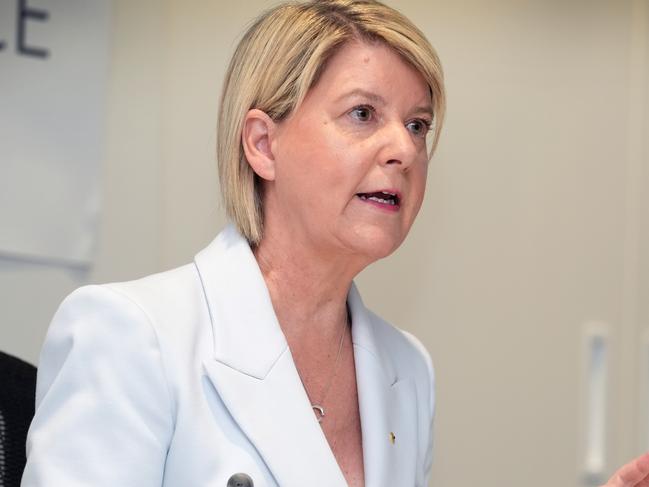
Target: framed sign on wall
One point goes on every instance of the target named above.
(54, 57)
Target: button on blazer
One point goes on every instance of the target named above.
(185, 378)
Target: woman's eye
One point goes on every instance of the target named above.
(362, 113)
(419, 127)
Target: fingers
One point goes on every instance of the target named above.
(633, 474)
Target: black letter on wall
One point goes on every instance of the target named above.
(24, 14)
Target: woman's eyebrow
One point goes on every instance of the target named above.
(373, 97)
(427, 109)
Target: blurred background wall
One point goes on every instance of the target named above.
(534, 233)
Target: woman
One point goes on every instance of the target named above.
(258, 364)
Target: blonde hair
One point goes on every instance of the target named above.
(280, 57)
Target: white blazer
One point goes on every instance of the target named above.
(184, 378)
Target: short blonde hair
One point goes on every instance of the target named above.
(280, 57)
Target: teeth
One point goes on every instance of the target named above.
(381, 200)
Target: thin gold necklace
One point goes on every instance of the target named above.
(318, 407)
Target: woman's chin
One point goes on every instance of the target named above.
(375, 244)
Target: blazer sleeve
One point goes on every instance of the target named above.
(428, 457)
(103, 409)
(429, 387)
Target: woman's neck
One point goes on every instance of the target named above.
(308, 289)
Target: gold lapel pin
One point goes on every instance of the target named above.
(393, 438)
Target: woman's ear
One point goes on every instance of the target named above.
(258, 129)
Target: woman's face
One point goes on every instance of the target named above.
(351, 161)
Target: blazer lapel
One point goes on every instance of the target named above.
(253, 371)
(387, 404)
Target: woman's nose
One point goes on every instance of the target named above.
(399, 148)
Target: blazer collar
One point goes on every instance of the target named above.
(364, 336)
(238, 298)
(253, 371)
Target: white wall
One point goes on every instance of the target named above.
(129, 230)
(535, 221)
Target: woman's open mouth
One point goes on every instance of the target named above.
(386, 200)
